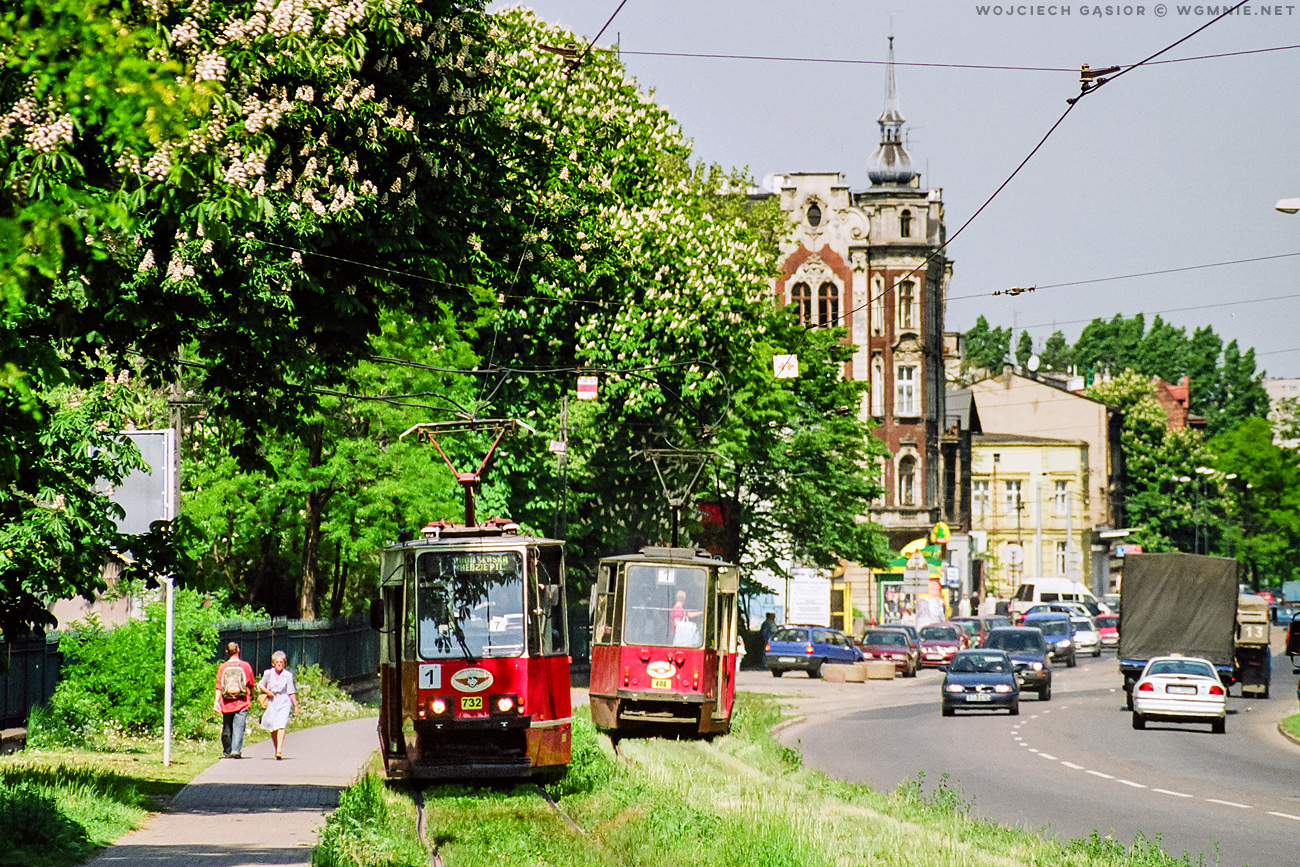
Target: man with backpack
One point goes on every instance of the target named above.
(234, 693)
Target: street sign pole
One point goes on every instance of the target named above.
(167, 676)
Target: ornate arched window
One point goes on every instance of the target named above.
(877, 385)
(877, 302)
(814, 214)
(907, 304)
(828, 305)
(907, 481)
(801, 298)
(905, 224)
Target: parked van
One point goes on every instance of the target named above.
(1032, 591)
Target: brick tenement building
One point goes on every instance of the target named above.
(871, 261)
(1173, 399)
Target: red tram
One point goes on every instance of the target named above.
(474, 664)
(663, 649)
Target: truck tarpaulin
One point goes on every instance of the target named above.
(1178, 603)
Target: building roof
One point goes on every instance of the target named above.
(1012, 439)
(890, 164)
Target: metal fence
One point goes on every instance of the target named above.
(346, 649)
(29, 671)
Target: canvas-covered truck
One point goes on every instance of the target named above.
(1253, 659)
(1177, 603)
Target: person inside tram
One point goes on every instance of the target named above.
(685, 632)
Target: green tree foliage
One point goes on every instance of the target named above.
(250, 184)
(987, 349)
(1260, 507)
(637, 267)
(1024, 349)
(1057, 355)
(1154, 499)
(1225, 386)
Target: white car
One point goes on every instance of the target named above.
(1180, 689)
(1086, 637)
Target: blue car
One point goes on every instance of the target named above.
(808, 648)
(1059, 632)
(981, 680)
(1028, 651)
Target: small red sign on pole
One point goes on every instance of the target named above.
(587, 387)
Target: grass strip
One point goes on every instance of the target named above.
(742, 801)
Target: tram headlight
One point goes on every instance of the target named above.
(503, 704)
(437, 706)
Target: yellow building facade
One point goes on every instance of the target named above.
(1029, 509)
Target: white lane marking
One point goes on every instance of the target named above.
(1100, 774)
(1229, 803)
(1032, 750)
(1073, 765)
(1017, 737)
(1285, 816)
(1169, 792)
(1131, 783)
(1023, 745)
(1048, 757)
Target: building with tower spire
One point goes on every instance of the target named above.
(872, 261)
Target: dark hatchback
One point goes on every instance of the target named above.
(1028, 651)
(808, 648)
(981, 679)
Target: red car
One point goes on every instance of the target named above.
(1107, 629)
(940, 642)
(894, 645)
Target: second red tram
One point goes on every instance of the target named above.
(474, 665)
(663, 644)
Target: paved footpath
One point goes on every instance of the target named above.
(253, 810)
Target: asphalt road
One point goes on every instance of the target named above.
(1070, 765)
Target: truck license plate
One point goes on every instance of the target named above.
(661, 683)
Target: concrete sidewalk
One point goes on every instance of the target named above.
(254, 810)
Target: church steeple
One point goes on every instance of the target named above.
(890, 164)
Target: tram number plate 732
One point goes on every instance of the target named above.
(661, 683)
(471, 702)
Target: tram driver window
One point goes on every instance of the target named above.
(470, 605)
(664, 606)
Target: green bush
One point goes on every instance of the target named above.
(113, 679)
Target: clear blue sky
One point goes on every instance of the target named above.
(1169, 166)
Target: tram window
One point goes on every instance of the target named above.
(664, 606)
(548, 636)
(603, 616)
(470, 604)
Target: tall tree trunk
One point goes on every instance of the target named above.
(340, 576)
(315, 506)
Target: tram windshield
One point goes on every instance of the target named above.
(470, 604)
(665, 606)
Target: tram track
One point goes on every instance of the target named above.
(421, 830)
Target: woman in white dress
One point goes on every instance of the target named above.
(277, 685)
